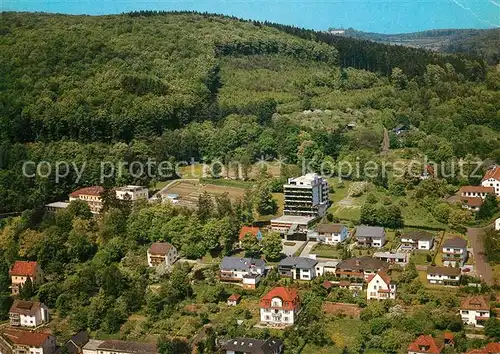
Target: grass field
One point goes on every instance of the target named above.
(198, 170)
(326, 251)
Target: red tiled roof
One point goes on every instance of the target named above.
(23, 268)
(475, 303)
(160, 248)
(290, 298)
(477, 189)
(490, 348)
(493, 172)
(344, 283)
(472, 201)
(424, 341)
(234, 297)
(327, 285)
(248, 230)
(94, 191)
(25, 337)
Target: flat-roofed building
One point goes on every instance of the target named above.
(132, 193)
(306, 196)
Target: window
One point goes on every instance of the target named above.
(286, 319)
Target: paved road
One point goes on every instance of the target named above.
(475, 237)
(305, 252)
(290, 250)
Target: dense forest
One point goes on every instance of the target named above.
(176, 86)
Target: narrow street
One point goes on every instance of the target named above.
(475, 237)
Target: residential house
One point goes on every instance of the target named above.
(119, 347)
(250, 230)
(75, 344)
(91, 196)
(18, 341)
(234, 299)
(380, 287)
(28, 313)
(300, 268)
(497, 224)
(443, 275)
(471, 203)
(454, 252)
(162, 253)
(475, 311)
(328, 267)
(475, 191)
(21, 271)
(392, 257)
(247, 271)
(425, 344)
(132, 193)
(370, 236)
(417, 240)
(492, 179)
(252, 346)
(490, 348)
(331, 234)
(280, 307)
(361, 267)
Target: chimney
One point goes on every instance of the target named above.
(357, 262)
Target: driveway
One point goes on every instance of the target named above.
(290, 250)
(305, 252)
(482, 267)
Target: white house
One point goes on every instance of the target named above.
(492, 179)
(247, 271)
(392, 257)
(331, 234)
(475, 311)
(417, 240)
(20, 341)
(280, 307)
(132, 193)
(454, 252)
(300, 268)
(497, 224)
(28, 313)
(380, 287)
(328, 267)
(443, 275)
(370, 236)
(162, 253)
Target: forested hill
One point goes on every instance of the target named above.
(481, 43)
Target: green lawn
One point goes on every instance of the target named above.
(420, 258)
(326, 251)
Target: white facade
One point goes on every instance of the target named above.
(454, 256)
(132, 193)
(471, 317)
(276, 315)
(416, 244)
(306, 196)
(167, 259)
(323, 268)
(380, 289)
(441, 278)
(34, 319)
(492, 182)
(497, 224)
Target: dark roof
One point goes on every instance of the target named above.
(160, 248)
(75, 344)
(241, 263)
(363, 263)
(253, 346)
(330, 228)
(456, 242)
(418, 235)
(25, 307)
(369, 231)
(443, 270)
(128, 347)
(299, 262)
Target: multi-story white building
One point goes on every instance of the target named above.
(370, 236)
(300, 268)
(17, 341)
(132, 193)
(162, 253)
(331, 234)
(280, 307)
(454, 252)
(475, 311)
(443, 275)
(28, 313)
(492, 179)
(306, 196)
(417, 240)
(380, 287)
(247, 271)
